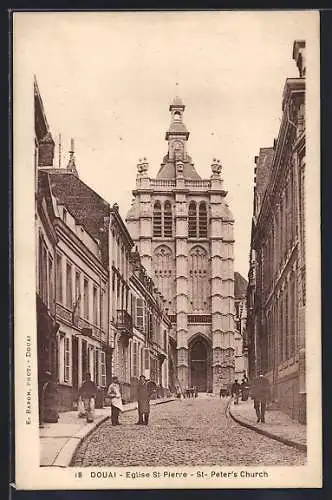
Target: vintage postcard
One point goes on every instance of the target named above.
(167, 250)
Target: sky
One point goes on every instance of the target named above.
(107, 80)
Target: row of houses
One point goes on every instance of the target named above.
(276, 298)
(97, 309)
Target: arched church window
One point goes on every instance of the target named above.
(157, 220)
(167, 220)
(199, 285)
(202, 220)
(163, 264)
(192, 223)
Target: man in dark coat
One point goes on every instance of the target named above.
(235, 391)
(143, 399)
(88, 393)
(261, 394)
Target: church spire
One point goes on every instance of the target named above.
(177, 162)
(177, 134)
(177, 128)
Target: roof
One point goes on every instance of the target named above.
(240, 286)
(88, 208)
(167, 170)
(177, 128)
(263, 169)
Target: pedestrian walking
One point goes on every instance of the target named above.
(87, 393)
(143, 400)
(244, 390)
(235, 391)
(261, 394)
(114, 393)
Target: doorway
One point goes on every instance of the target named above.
(198, 364)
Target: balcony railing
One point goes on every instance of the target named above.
(125, 322)
(85, 326)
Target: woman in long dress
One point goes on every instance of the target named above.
(114, 393)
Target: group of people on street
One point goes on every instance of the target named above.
(191, 392)
(242, 389)
(260, 392)
(88, 393)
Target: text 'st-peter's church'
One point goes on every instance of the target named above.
(183, 230)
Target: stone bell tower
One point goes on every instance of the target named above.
(183, 230)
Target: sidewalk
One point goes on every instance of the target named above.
(58, 442)
(278, 424)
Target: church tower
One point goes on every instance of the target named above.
(183, 230)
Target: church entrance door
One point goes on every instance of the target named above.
(198, 364)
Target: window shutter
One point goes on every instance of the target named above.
(140, 314)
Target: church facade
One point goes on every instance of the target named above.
(183, 230)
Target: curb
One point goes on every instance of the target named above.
(288, 442)
(66, 454)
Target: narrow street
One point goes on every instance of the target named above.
(188, 432)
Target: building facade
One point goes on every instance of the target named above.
(240, 336)
(139, 323)
(72, 271)
(183, 230)
(276, 291)
(151, 329)
(45, 245)
(81, 290)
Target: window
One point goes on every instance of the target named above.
(102, 319)
(157, 220)
(50, 283)
(140, 314)
(95, 306)
(103, 368)
(86, 298)
(163, 264)
(67, 359)
(147, 322)
(64, 215)
(135, 364)
(198, 282)
(202, 220)
(44, 276)
(69, 287)
(133, 309)
(192, 230)
(59, 297)
(96, 371)
(78, 292)
(167, 220)
(146, 359)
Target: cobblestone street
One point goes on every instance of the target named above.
(187, 432)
